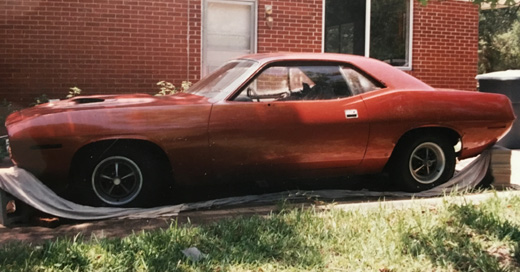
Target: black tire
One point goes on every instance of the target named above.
(121, 176)
(422, 162)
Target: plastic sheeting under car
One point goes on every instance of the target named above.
(27, 188)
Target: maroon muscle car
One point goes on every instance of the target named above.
(259, 117)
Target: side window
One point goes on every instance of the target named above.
(296, 82)
(358, 83)
(272, 84)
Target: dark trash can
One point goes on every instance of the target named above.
(507, 83)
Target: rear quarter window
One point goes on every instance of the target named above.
(357, 82)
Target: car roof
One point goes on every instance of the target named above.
(388, 75)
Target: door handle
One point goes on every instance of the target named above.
(351, 114)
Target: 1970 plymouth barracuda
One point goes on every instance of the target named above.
(260, 117)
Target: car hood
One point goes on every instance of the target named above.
(106, 102)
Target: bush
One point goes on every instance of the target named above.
(167, 88)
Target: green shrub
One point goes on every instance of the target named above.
(167, 88)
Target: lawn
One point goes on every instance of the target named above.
(445, 237)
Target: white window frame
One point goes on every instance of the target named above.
(254, 28)
(368, 9)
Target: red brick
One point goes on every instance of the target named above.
(114, 46)
(445, 44)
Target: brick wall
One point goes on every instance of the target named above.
(297, 26)
(119, 46)
(100, 46)
(445, 37)
(445, 44)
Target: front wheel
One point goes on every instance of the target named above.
(423, 162)
(117, 180)
(122, 176)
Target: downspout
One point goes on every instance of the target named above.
(188, 45)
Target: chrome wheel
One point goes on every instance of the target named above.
(117, 180)
(427, 163)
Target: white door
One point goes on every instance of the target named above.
(229, 31)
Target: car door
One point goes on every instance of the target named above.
(289, 122)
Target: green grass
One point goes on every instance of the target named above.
(447, 237)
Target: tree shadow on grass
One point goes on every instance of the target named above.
(472, 240)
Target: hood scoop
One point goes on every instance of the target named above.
(88, 100)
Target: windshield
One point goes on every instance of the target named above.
(211, 85)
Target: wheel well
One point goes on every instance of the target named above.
(99, 148)
(450, 134)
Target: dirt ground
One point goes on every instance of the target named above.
(44, 227)
(32, 233)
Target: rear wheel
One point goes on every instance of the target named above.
(423, 162)
(124, 176)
